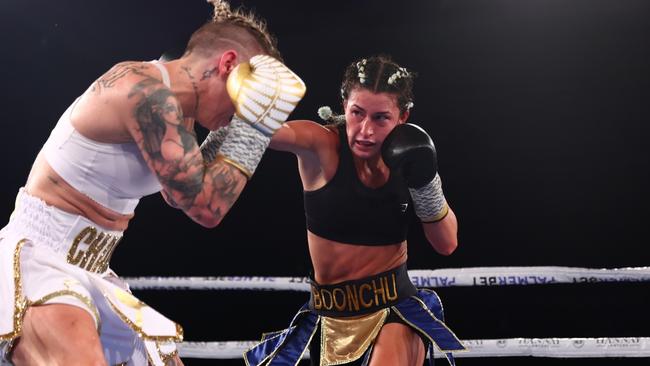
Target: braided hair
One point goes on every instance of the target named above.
(378, 74)
(230, 27)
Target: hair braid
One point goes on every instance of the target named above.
(380, 74)
(223, 14)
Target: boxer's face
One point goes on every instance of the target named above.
(369, 118)
(215, 107)
(219, 114)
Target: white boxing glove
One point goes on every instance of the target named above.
(264, 92)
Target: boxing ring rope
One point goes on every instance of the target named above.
(507, 347)
(476, 276)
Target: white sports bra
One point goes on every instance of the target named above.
(114, 175)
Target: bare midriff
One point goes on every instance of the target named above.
(336, 262)
(46, 184)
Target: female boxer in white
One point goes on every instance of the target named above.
(130, 135)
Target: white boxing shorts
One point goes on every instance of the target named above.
(48, 256)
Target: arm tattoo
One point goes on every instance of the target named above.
(226, 183)
(158, 116)
(173, 152)
(118, 71)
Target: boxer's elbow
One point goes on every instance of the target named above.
(206, 217)
(210, 222)
(446, 248)
(443, 235)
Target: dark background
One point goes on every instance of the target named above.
(539, 110)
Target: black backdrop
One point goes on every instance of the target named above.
(539, 110)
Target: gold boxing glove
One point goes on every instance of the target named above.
(264, 92)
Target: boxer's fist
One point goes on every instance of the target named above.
(409, 150)
(264, 92)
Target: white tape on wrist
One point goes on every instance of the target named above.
(212, 143)
(429, 201)
(244, 146)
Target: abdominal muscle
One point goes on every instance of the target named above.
(336, 262)
(46, 184)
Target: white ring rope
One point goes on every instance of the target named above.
(509, 347)
(477, 276)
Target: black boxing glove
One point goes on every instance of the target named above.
(409, 150)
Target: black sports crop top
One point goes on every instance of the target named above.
(347, 211)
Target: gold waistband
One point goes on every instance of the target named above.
(362, 296)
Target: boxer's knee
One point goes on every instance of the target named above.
(58, 334)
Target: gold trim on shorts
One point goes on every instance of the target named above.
(272, 356)
(166, 357)
(84, 299)
(421, 331)
(347, 339)
(20, 303)
(267, 357)
(279, 333)
(138, 329)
